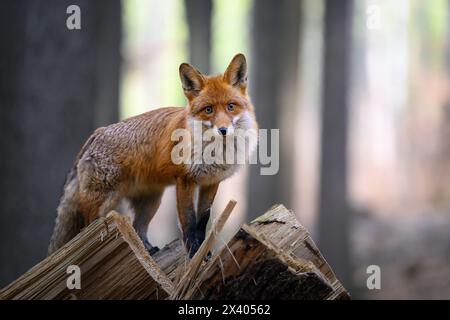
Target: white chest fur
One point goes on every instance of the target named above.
(212, 173)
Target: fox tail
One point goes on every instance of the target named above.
(69, 220)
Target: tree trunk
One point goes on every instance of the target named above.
(57, 86)
(274, 86)
(333, 206)
(199, 18)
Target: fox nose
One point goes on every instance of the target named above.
(223, 131)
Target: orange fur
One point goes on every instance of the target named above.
(132, 159)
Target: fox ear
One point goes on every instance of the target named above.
(191, 79)
(236, 73)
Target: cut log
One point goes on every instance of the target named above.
(280, 226)
(251, 268)
(113, 265)
(274, 239)
(273, 257)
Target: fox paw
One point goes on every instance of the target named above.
(208, 256)
(194, 246)
(151, 249)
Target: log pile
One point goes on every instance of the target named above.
(273, 257)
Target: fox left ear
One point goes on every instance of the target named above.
(191, 79)
(236, 73)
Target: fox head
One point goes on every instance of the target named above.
(220, 102)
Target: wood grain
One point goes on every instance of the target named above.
(273, 257)
(113, 261)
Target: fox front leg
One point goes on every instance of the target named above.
(205, 201)
(185, 191)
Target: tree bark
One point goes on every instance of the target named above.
(333, 205)
(57, 86)
(274, 87)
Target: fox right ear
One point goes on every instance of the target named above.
(191, 79)
(236, 73)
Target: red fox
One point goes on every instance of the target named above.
(132, 160)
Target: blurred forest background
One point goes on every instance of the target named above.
(359, 89)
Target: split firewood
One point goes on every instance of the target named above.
(112, 263)
(273, 257)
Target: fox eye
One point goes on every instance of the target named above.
(208, 109)
(230, 107)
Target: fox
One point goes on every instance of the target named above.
(132, 160)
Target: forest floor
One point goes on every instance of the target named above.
(412, 251)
